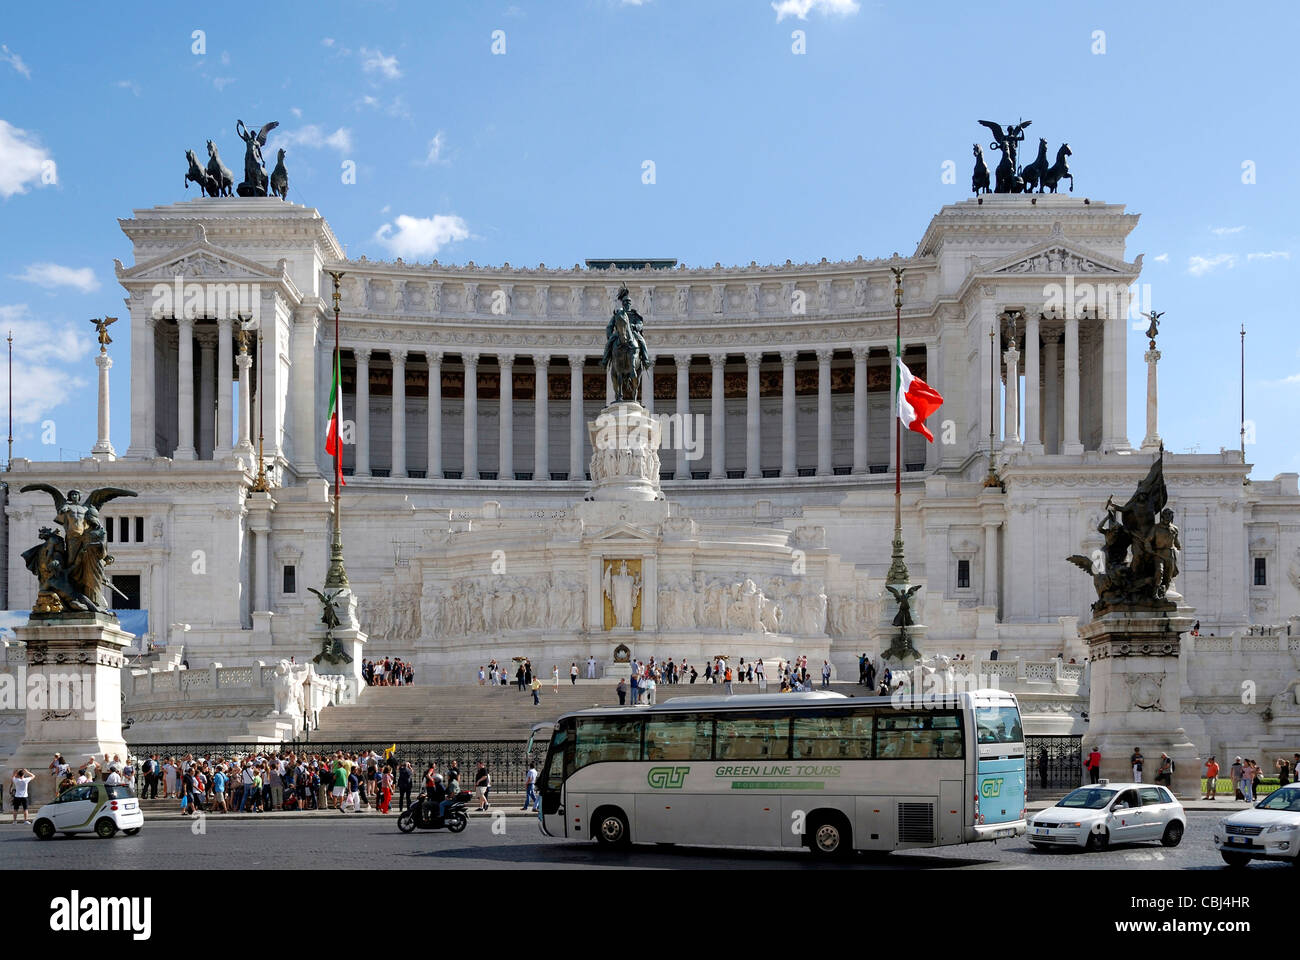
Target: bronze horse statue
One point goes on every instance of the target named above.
(220, 172)
(1059, 171)
(979, 179)
(624, 349)
(1033, 173)
(207, 185)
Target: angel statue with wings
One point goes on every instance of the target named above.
(331, 649)
(254, 184)
(1008, 179)
(70, 567)
(101, 326)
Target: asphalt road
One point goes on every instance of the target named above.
(317, 842)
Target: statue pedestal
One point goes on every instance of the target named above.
(618, 671)
(625, 454)
(1134, 698)
(73, 693)
(349, 638)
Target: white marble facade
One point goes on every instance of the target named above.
(468, 390)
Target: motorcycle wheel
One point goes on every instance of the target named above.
(457, 821)
(406, 822)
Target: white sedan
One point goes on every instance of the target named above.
(1097, 816)
(1270, 830)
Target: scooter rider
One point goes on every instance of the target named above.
(435, 795)
(452, 792)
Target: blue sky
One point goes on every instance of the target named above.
(536, 154)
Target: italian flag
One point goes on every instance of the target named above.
(333, 443)
(916, 401)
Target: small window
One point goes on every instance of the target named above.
(290, 578)
(605, 739)
(679, 738)
(753, 738)
(963, 574)
(109, 527)
(1261, 571)
(1151, 796)
(139, 529)
(124, 530)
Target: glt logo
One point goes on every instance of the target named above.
(991, 787)
(76, 913)
(667, 778)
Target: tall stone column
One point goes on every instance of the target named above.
(144, 403)
(718, 413)
(824, 412)
(471, 415)
(103, 448)
(1114, 427)
(1070, 444)
(304, 384)
(245, 362)
(259, 527)
(185, 390)
(753, 417)
(398, 459)
(860, 409)
(1052, 393)
(207, 400)
(434, 426)
(506, 439)
(225, 360)
(542, 413)
(682, 468)
(1012, 398)
(991, 561)
(361, 415)
(788, 466)
(1152, 440)
(1033, 426)
(576, 469)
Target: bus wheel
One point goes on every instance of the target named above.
(611, 828)
(829, 837)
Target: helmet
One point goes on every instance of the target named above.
(437, 778)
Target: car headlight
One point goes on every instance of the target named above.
(1281, 828)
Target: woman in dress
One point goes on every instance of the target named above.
(385, 790)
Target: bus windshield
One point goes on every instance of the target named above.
(998, 724)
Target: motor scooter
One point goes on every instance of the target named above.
(423, 814)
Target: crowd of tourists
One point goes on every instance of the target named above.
(388, 672)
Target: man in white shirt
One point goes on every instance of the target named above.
(20, 780)
(530, 797)
(591, 668)
(114, 778)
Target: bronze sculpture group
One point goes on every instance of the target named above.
(625, 355)
(1011, 178)
(69, 566)
(217, 180)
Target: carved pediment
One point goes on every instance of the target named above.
(1057, 259)
(623, 533)
(199, 260)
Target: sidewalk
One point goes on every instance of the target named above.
(507, 804)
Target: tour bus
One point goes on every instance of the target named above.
(821, 770)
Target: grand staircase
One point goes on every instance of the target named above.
(471, 712)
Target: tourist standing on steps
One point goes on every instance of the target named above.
(826, 675)
(528, 673)
(591, 668)
(555, 676)
(519, 677)
(1094, 765)
(727, 679)
(621, 690)
(573, 673)
(1136, 761)
(536, 686)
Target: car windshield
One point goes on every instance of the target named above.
(998, 724)
(1288, 800)
(1087, 798)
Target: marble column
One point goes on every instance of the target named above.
(1152, 439)
(753, 417)
(207, 399)
(506, 415)
(824, 412)
(990, 564)
(1070, 444)
(542, 413)
(225, 360)
(681, 469)
(718, 413)
(1033, 425)
(103, 448)
(434, 429)
(185, 390)
(1052, 393)
(471, 416)
(1114, 427)
(361, 415)
(860, 409)
(788, 465)
(1012, 397)
(262, 569)
(245, 445)
(144, 402)
(576, 426)
(398, 458)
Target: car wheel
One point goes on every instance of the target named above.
(611, 828)
(457, 822)
(1236, 860)
(131, 831)
(44, 829)
(1173, 834)
(829, 837)
(105, 828)
(1098, 841)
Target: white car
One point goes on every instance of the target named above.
(1270, 830)
(1105, 813)
(90, 806)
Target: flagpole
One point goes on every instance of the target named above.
(897, 565)
(337, 577)
(1243, 393)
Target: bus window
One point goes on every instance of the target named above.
(604, 739)
(836, 736)
(998, 724)
(679, 738)
(918, 736)
(753, 738)
(559, 759)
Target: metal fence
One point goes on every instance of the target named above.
(1059, 771)
(507, 760)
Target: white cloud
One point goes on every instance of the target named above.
(225, 58)
(436, 146)
(1199, 266)
(54, 275)
(40, 386)
(22, 160)
(1294, 378)
(1270, 255)
(222, 82)
(297, 113)
(421, 236)
(374, 60)
(1225, 231)
(801, 8)
(313, 137)
(129, 85)
(1161, 258)
(15, 61)
(327, 41)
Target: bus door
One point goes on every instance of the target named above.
(559, 764)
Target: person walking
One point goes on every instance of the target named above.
(573, 673)
(536, 687)
(1283, 772)
(1136, 761)
(1235, 772)
(405, 781)
(727, 680)
(482, 780)
(1249, 774)
(1043, 761)
(555, 677)
(1211, 779)
(826, 675)
(385, 790)
(519, 678)
(760, 676)
(650, 685)
(531, 798)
